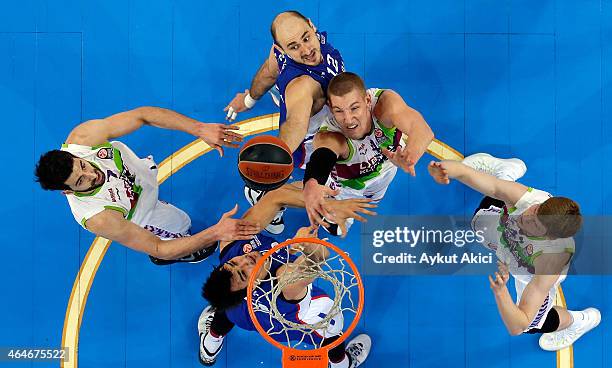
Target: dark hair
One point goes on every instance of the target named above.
(288, 12)
(53, 169)
(217, 289)
(344, 83)
(561, 216)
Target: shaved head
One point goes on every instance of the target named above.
(297, 38)
(286, 19)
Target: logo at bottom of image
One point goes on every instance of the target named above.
(295, 358)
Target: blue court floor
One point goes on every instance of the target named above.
(521, 78)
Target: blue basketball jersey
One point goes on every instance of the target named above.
(289, 69)
(313, 307)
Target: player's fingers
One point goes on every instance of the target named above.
(231, 212)
(319, 220)
(358, 217)
(331, 192)
(367, 205)
(367, 212)
(219, 149)
(230, 111)
(311, 219)
(231, 127)
(342, 226)
(411, 170)
(233, 136)
(322, 210)
(314, 217)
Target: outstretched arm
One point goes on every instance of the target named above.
(329, 147)
(312, 255)
(94, 132)
(392, 110)
(111, 225)
(507, 191)
(299, 98)
(262, 82)
(517, 318)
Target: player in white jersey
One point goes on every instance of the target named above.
(531, 232)
(114, 194)
(358, 151)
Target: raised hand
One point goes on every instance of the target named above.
(314, 201)
(501, 277)
(219, 135)
(235, 229)
(238, 104)
(438, 172)
(405, 158)
(342, 210)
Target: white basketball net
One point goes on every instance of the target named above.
(334, 269)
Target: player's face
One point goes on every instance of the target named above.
(84, 176)
(530, 224)
(241, 268)
(299, 41)
(352, 112)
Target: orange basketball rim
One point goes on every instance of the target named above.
(297, 358)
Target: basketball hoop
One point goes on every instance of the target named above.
(338, 270)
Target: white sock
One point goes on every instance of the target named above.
(212, 343)
(344, 363)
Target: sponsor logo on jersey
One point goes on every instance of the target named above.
(105, 153)
(362, 149)
(247, 248)
(112, 194)
(378, 133)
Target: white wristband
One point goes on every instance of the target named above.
(249, 101)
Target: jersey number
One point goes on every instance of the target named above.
(334, 63)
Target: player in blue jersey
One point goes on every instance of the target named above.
(301, 63)
(301, 302)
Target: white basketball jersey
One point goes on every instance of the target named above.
(130, 184)
(519, 251)
(366, 162)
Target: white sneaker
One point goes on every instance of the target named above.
(253, 195)
(207, 358)
(558, 340)
(358, 349)
(277, 225)
(510, 169)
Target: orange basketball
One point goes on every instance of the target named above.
(265, 163)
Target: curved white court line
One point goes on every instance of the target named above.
(97, 250)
